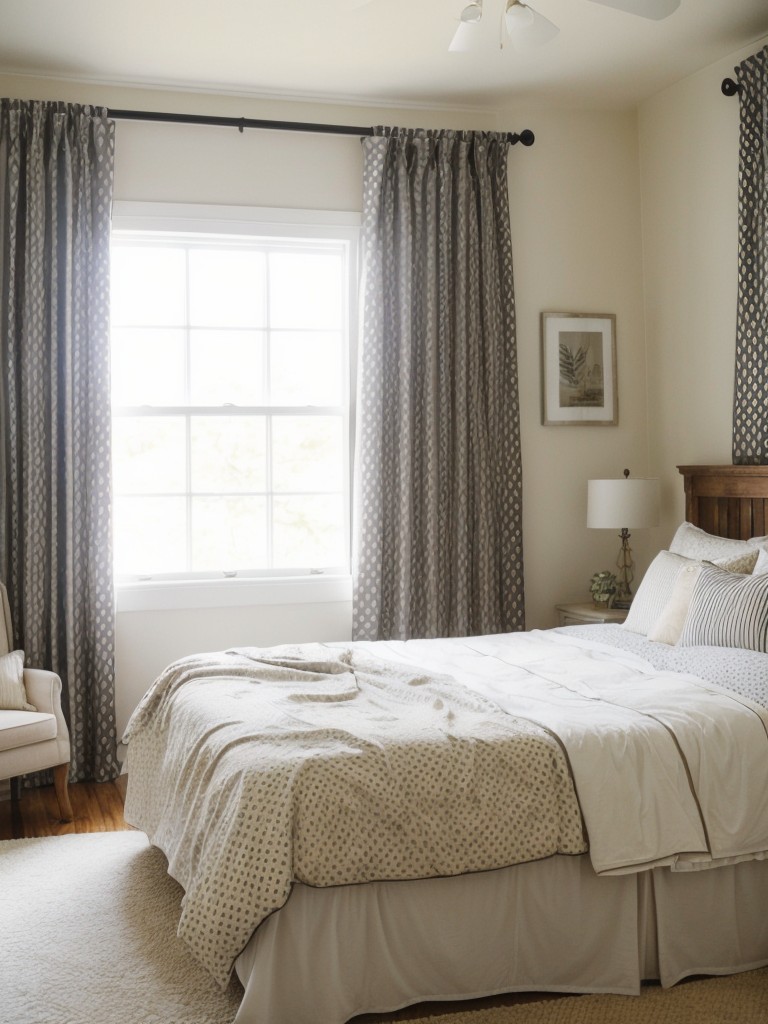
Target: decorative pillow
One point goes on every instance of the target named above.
(669, 625)
(658, 584)
(761, 565)
(691, 542)
(13, 696)
(727, 610)
(743, 564)
(654, 591)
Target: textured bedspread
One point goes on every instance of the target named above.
(255, 768)
(333, 764)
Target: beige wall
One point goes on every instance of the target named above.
(576, 233)
(689, 178)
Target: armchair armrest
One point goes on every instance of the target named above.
(44, 691)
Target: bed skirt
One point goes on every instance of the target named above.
(547, 926)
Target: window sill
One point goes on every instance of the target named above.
(174, 594)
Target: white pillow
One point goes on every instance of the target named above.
(727, 610)
(13, 696)
(669, 625)
(691, 542)
(657, 586)
(654, 591)
(761, 565)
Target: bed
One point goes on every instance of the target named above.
(465, 888)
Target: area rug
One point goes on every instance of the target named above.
(738, 999)
(88, 926)
(88, 936)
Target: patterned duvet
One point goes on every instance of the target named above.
(339, 764)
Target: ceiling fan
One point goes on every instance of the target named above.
(523, 25)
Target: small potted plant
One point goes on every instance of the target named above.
(602, 587)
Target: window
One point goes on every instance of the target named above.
(230, 393)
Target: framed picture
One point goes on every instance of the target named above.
(578, 370)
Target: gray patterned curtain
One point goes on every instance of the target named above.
(438, 507)
(56, 165)
(750, 405)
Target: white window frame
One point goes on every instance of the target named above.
(208, 590)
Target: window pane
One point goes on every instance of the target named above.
(305, 290)
(148, 286)
(147, 366)
(305, 368)
(207, 327)
(308, 531)
(226, 288)
(150, 535)
(229, 534)
(229, 453)
(149, 455)
(307, 453)
(226, 366)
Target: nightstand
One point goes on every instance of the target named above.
(586, 614)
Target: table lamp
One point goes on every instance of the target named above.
(623, 505)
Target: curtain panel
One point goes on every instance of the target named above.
(56, 170)
(750, 407)
(438, 505)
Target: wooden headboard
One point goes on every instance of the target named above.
(729, 501)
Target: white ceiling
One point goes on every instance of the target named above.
(392, 52)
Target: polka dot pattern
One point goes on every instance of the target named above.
(248, 780)
(750, 413)
(55, 515)
(438, 530)
(743, 672)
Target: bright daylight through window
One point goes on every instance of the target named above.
(230, 388)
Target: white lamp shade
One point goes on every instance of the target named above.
(526, 27)
(622, 504)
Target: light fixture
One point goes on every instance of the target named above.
(473, 12)
(525, 27)
(465, 36)
(623, 505)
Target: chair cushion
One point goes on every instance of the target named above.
(20, 728)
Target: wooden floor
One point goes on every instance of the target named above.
(98, 807)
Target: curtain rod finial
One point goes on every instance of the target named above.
(729, 87)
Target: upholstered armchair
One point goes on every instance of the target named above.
(35, 736)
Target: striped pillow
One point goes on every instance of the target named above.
(13, 696)
(659, 581)
(727, 610)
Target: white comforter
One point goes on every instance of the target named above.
(667, 769)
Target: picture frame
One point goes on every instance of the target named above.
(579, 382)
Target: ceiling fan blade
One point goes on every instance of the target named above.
(527, 28)
(653, 9)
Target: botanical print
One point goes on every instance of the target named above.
(582, 377)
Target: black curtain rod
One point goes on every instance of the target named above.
(525, 137)
(729, 87)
